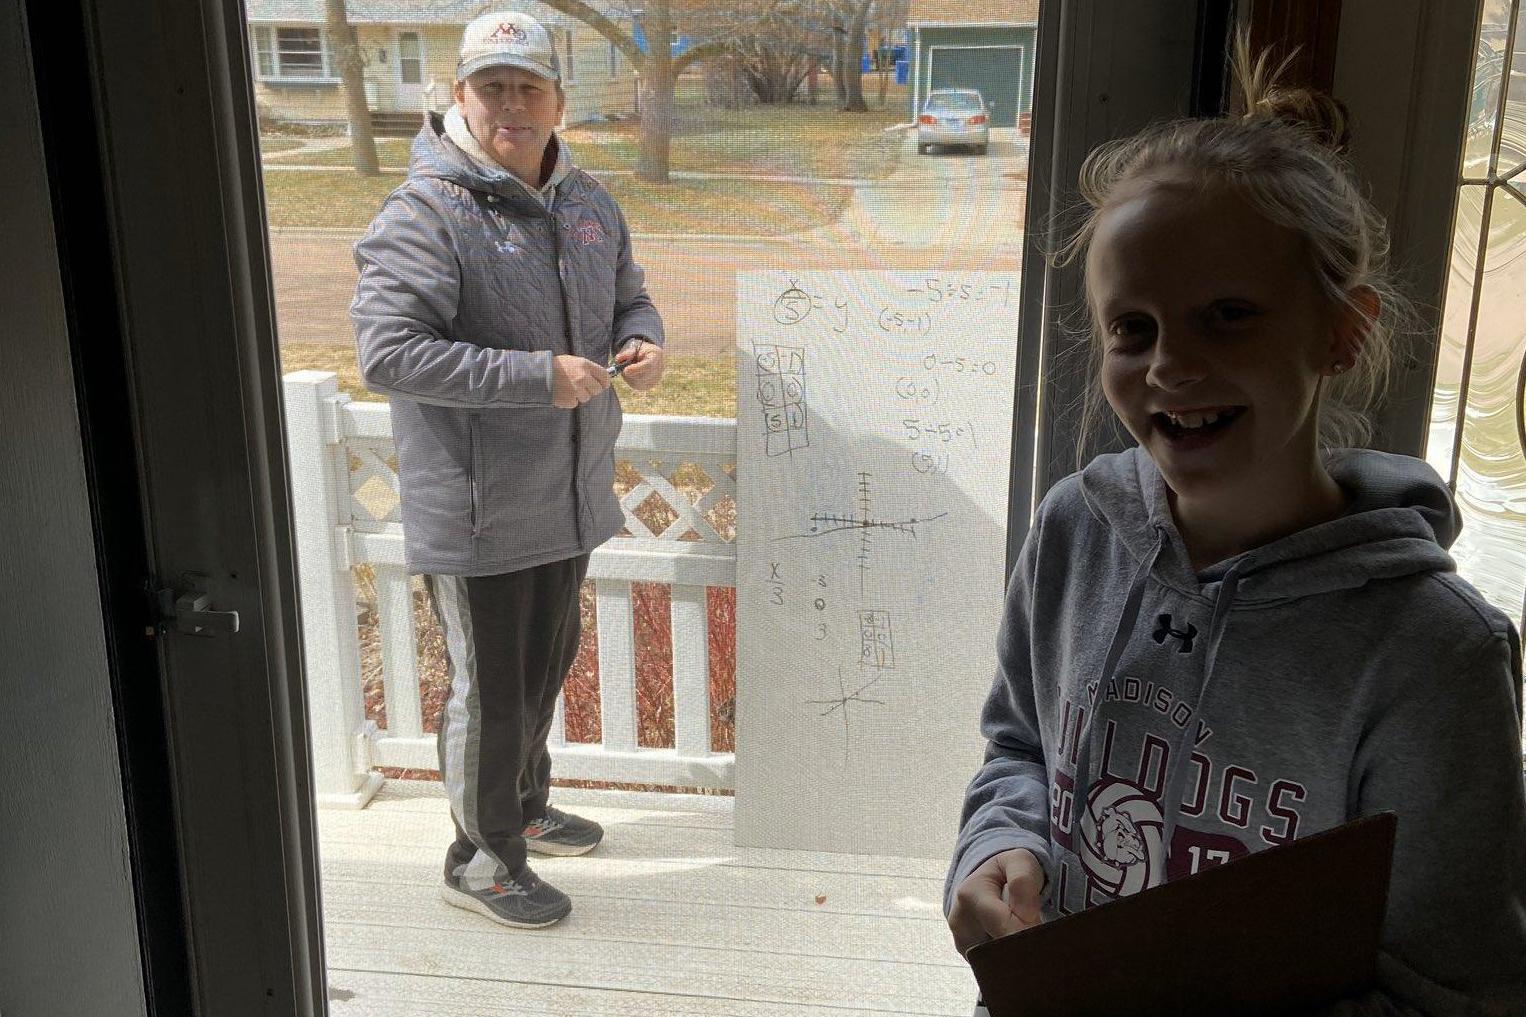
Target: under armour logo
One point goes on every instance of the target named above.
(1163, 629)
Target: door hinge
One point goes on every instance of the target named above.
(188, 608)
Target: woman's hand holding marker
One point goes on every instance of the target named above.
(640, 363)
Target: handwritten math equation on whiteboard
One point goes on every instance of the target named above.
(874, 425)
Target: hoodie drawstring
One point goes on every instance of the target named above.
(1121, 634)
(1181, 752)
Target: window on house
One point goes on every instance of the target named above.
(291, 52)
(410, 59)
(614, 60)
(264, 53)
(569, 59)
(300, 52)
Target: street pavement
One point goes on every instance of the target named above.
(937, 212)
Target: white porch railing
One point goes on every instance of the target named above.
(345, 501)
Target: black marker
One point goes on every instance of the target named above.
(615, 368)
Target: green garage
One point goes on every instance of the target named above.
(984, 44)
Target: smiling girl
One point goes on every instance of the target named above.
(1246, 629)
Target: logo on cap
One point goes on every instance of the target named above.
(506, 32)
(507, 39)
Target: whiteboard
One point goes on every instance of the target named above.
(874, 420)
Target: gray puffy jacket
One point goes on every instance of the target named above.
(468, 287)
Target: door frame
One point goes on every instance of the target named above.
(177, 136)
(1102, 70)
(178, 133)
(1397, 70)
(78, 875)
(1404, 70)
(397, 74)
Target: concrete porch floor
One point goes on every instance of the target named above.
(669, 919)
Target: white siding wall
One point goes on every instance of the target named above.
(593, 92)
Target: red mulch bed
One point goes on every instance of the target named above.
(654, 648)
(654, 670)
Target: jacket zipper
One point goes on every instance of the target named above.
(577, 412)
(471, 475)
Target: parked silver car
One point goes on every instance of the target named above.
(954, 116)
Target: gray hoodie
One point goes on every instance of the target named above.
(1148, 721)
(470, 283)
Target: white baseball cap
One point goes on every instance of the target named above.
(508, 39)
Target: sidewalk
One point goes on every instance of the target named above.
(769, 178)
(321, 144)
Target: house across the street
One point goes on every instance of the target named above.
(982, 44)
(410, 49)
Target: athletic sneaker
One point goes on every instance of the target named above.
(527, 902)
(558, 833)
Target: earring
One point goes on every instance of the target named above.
(1339, 367)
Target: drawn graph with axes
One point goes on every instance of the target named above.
(864, 525)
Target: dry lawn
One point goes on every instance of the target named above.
(694, 386)
(786, 140)
(324, 199)
(278, 146)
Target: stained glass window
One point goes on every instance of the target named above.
(1477, 433)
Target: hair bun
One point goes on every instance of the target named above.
(1323, 116)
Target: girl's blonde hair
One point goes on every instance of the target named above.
(1283, 151)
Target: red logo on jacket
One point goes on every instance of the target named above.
(589, 232)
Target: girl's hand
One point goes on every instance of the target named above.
(981, 912)
(644, 363)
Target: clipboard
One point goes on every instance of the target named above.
(1280, 931)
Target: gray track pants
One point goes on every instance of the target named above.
(510, 639)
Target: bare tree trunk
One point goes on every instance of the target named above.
(839, 60)
(657, 70)
(718, 83)
(657, 85)
(882, 51)
(351, 62)
(854, 83)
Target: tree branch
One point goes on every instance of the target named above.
(622, 39)
(705, 50)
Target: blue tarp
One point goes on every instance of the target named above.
(638, 35)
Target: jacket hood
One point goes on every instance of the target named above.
(1400, 521)
(434, 154)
